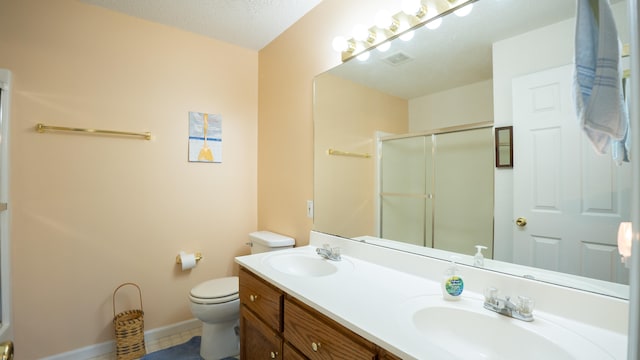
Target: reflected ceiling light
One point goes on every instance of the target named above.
(362, 51)
(406, 31)
(384, 46)
(434, 24)
(407, 35)
(624, 242)
(364, 56)
(464, 11)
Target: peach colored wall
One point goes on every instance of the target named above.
(287, 67)
(347, 116)
(90, 212)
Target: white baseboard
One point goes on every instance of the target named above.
(110, 346)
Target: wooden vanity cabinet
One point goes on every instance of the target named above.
(290, 353)
(258, 341)
(318, 337)
(264, 299)
(275, 325)
(260, 318)
(385, 355)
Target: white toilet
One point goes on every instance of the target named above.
(216, 303)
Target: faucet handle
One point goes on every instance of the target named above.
(525, 305)
(491, 295)
(336, 251)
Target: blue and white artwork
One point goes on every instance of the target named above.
(205, 137)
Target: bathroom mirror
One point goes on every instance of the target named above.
(452, 80)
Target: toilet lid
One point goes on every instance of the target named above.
(215, 291)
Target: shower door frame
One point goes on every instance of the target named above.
(381, 137)
(6, 330)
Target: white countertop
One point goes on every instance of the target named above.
(376, 302)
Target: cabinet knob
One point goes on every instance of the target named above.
(253, 298)
(315, 346)
(274, 354)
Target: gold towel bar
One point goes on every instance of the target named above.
(347, 153)
(42, 128)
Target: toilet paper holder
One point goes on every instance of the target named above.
(198, 257)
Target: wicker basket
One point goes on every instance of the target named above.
(129, 329)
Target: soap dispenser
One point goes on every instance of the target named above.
(478, 258)
(452, 284)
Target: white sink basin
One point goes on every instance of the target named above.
(305, 264)
(468, 331)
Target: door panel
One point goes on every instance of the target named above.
(572, 197)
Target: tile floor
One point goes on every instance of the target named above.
(159, 344)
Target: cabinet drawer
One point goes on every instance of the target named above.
(262, 298)
(289, 353)
(318, 337)
(257, 340)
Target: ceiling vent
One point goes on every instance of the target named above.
(398, 58)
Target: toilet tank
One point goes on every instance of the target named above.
(263, 241)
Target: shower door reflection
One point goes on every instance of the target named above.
(437, 190)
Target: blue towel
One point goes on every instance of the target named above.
(599, 96)
(622, 148)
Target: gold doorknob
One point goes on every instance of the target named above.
(6, 350)
(521, 222)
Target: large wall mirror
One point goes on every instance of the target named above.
(405, 148)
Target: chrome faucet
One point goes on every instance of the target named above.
(523, 310)
(329, 253)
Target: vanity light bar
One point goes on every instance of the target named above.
(400, 24)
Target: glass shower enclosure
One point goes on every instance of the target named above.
(436, 190)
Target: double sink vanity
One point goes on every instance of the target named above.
(378, 303)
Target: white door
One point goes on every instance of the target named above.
(571, 198)
(6, 332)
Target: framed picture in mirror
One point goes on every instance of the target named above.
(504, 147)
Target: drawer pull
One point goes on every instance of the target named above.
(253, 298)
(274, 354)
(315, 346)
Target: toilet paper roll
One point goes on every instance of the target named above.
(188, 261)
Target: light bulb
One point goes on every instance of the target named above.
(340, 44)
(624, 241)
(464, 11)
(384, 46)
(411, 7)
(434, 24)
(407, 36)
(364, 56)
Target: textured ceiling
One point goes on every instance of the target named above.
(251, 24)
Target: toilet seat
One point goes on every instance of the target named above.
(216, 291)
